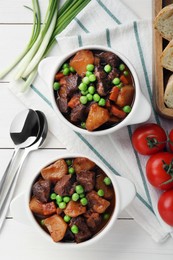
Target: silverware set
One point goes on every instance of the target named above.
(28, 131)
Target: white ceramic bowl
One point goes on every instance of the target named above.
(124, 192)
(141, 109)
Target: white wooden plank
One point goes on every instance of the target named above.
(126, 241)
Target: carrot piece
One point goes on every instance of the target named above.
(59, 76)
(124, 80)
(74, 101)
(118, 112)
(114, 94)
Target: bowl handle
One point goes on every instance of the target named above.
(16, 205)
(127, 191)
(47, 68)
(143, 111)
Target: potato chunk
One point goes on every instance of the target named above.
(81, 60)
(56, 226)
(74, 209)
(55, 171)
(40, 208)
(82, 164)
(97, 116)
(125, 96)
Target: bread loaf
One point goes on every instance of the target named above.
(168, 95)
(163, 22)
(166, 58)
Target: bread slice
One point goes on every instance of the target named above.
(166, 58)
(163, 22)
(168, 95)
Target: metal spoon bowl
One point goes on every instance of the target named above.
(8, 190)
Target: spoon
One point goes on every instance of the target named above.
(23, 131)
(7, 196)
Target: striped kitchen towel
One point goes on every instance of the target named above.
(110, 23)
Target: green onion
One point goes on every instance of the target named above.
(43, 39)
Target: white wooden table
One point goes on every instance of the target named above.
(127, 240)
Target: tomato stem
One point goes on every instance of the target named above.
(153, 142)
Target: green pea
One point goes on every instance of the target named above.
(58, 198)
(62, 205)
(83, 125)
(82, 195)
(75, 197)
(66, 71)
(66, 199)
(69, 162)
(84, 201)
(91, 90)
(89, 97)
(83, 86)
(74, 229)
(107, 180)
(79, 189)
(88, 73)
(65, 65)
(119, 85)
(121, 67)
(106, 216)
(100, 193)
(71, 170)
(84, 93)
(72, 69)
(127, 109)
(92, 78)
(126, 73)
(67, 218)
(107, 68)
(116, 81)
(53, 196)
(83, 100)
(56, 85)
(90, 67)
(96, 97)
(86, 80)
(42, 222)
(102, 102)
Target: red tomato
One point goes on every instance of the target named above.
(149, 139)
(159, 169)
(171, 140)
(165, 207)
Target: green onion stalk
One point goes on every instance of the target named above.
(43, 37)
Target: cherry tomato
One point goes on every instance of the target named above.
(149, 139)
(171, 140)
(159, 170)
(165, 207)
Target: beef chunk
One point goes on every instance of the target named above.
(87, 180)
(69, 236)
(68, 88)
(77, 113)
(64, 186)
(108, 58)
(108, 189)
(56, 226)
(113, 74)
(84, 232)
(55, 171)
(97, 203)
(103, 85)
(82, 164)
(41, 190)
(74, 209)
(94, 220)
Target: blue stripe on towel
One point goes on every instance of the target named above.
(144, 66)
(108, 12)
(81, 25)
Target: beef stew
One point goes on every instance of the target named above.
(94, 90)
(78, 205)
